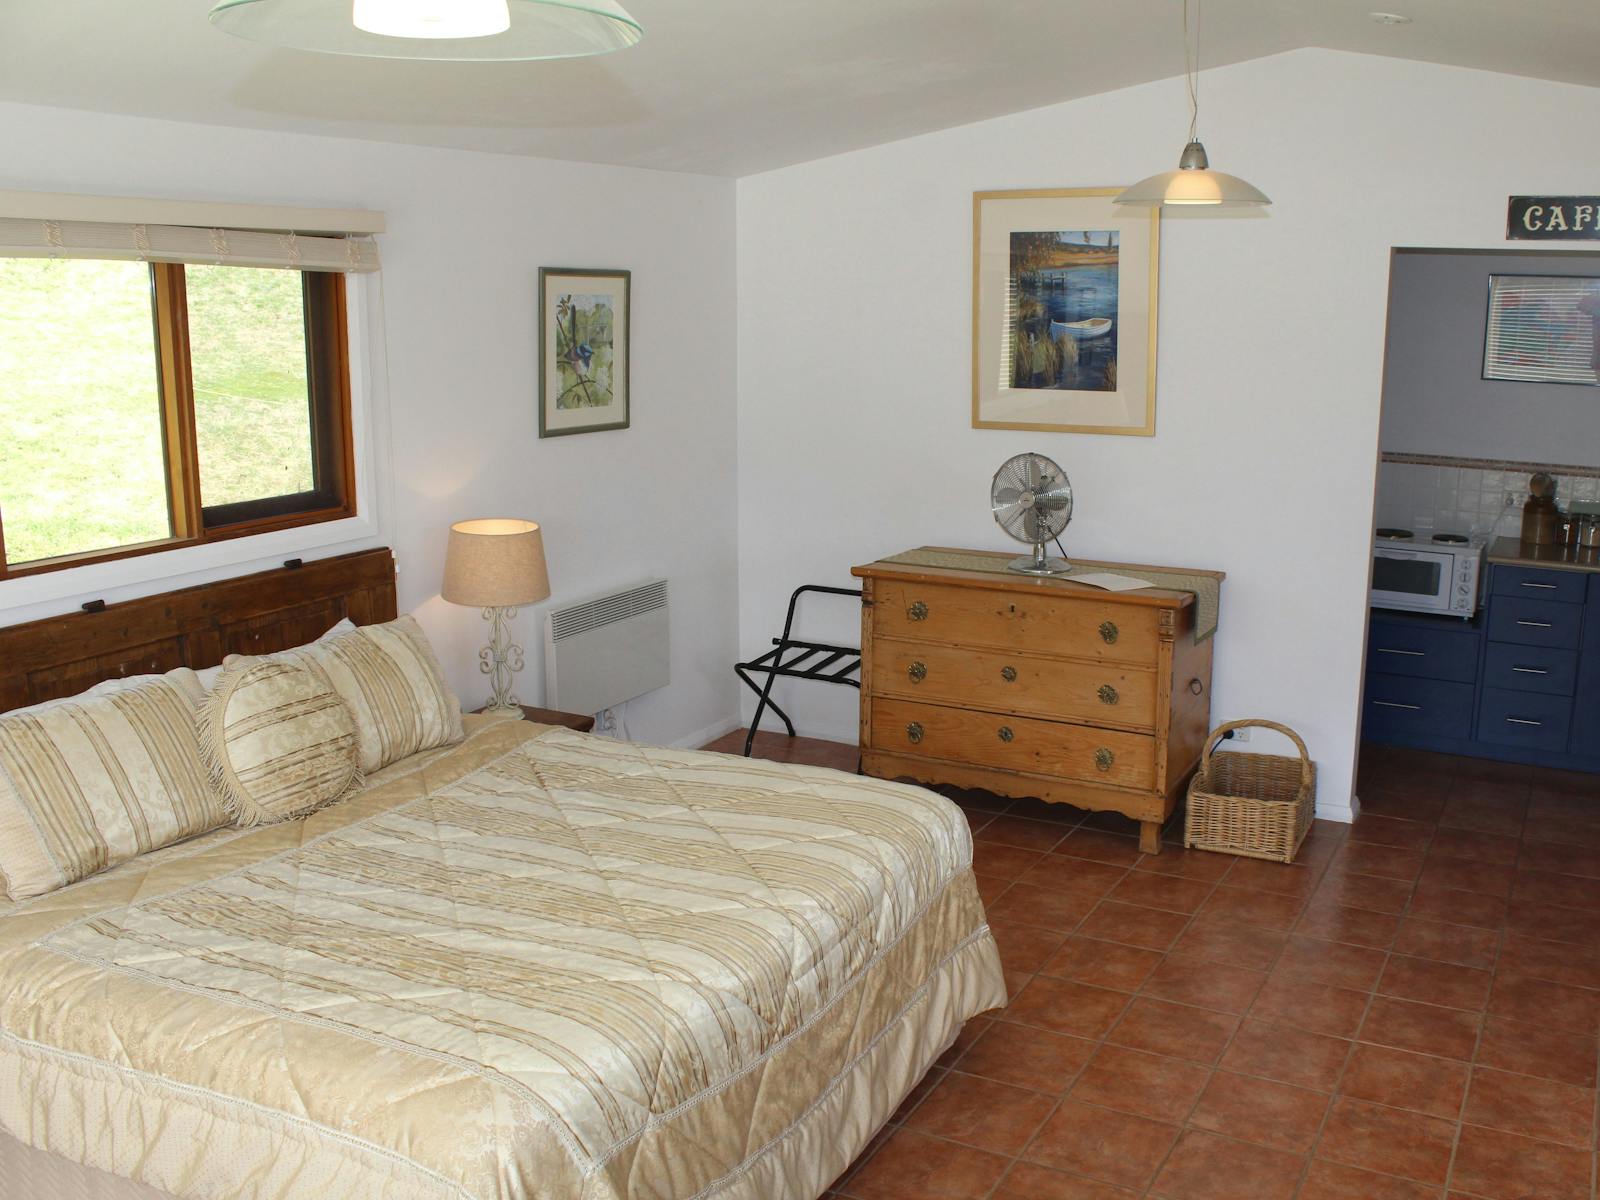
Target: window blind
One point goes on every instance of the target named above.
(28, 237)
(1542, 329)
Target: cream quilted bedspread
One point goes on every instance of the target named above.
(542, 964)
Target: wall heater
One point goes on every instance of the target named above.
(607, 649)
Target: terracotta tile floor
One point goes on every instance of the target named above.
(1410, 1011)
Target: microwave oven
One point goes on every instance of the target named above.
(1427, 576)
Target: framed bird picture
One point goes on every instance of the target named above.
(583, 350)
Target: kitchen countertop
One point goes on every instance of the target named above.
(1512, 552)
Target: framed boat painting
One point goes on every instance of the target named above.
(584, 322)
(1064, 288)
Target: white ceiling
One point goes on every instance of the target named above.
(732, 87)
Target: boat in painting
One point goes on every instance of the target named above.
(1093, 327)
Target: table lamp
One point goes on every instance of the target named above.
(496, 564)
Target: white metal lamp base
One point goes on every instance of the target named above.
(500, 660)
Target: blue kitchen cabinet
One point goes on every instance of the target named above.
(1520, 682)
(1422, 677)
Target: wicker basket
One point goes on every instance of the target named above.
(1257, 805)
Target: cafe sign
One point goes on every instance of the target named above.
(1553, 219)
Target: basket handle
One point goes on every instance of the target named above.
(1216, 737)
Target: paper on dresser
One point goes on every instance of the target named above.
(1109, 582)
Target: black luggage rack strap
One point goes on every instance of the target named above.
(821, 661)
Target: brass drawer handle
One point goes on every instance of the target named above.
(1103, 759)
(1005, 733)
(917, 612)
(1108, 632)
(914, 731)
(918, 672)
(1009, 674)
(1108, 694)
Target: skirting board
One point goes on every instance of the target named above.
(1345, 814)
(703, 737)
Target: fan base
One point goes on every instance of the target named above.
(1029, 565)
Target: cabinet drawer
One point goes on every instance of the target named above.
(1566, 587)
(1424, 652)
(1534, 622)
(1531, 668)
(1073, 627)
(1526, 719)
(1108, 693)
(1101, 756)
(1398, 707)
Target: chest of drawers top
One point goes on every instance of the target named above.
(1008, 610)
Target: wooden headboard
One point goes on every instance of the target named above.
(193, 627)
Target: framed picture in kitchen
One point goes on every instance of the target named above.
(1064, 312)
(584, 324)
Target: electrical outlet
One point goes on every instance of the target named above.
(1512, 499)
(1241, 735)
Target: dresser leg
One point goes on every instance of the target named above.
(1150, 837)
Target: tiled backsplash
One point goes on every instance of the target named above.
(1431, 495)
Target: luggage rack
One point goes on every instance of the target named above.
(821, 661)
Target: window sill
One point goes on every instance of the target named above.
(60, 585)
(68, 562)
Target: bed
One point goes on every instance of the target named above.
(533, 964)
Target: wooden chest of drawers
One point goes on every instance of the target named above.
(1030, 686)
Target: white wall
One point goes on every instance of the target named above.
(854, 344)
(1435, 398)
(467, 235)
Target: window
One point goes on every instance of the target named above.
(151, 405)
(1543, 329)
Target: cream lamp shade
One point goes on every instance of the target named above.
(495, 562)
(1194, 183)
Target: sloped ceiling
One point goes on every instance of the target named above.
(733, 87)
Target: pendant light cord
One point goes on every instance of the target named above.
(1191, 66)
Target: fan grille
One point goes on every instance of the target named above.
(1031, 498)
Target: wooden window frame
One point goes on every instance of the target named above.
(332, 436)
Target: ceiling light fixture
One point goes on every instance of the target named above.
(438, 30)
(1383, 18)
(1194, 182)
(432, 18)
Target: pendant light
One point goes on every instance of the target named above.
(440, 30)
(1194, 182)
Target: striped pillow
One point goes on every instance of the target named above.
(389, 677)
(280, 741)
(93, 781)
